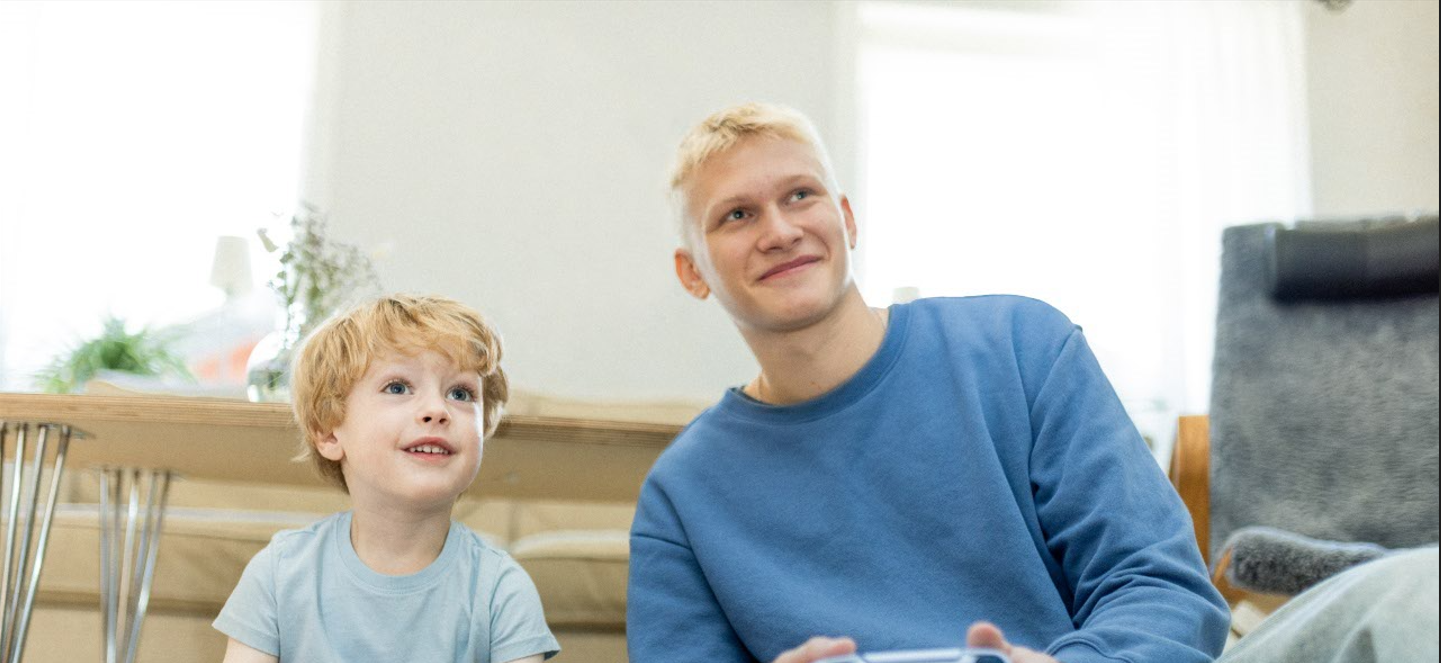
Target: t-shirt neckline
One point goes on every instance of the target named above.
(369, 577)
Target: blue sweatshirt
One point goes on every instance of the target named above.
(978, 467)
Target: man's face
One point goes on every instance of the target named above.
(767, 235)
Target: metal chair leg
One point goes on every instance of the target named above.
(20, 577)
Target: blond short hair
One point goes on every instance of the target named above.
(337, 354)
(726, 128)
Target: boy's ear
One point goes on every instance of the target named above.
(328, 446)
(689, 274)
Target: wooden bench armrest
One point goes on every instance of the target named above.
(1191, 475)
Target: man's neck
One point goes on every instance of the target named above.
(394, 543)
(800, 365)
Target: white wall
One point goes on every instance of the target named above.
(514, 154)
(1371, 82)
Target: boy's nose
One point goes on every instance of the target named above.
(434, 411)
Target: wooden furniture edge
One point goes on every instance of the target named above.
(1191, 475)
(49, 408)
(541, 457)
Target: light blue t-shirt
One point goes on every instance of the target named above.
(307, 597)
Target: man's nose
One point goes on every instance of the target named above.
(778, 230)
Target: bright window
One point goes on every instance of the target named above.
(1084, 153)
(131, 136)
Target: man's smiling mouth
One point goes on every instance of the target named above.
(788, 266)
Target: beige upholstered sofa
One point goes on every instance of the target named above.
(576, 552)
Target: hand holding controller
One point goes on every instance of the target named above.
(967, 655)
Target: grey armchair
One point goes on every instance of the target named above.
(1320, 450)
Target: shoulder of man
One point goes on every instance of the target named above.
(997, 316)
(691, 442)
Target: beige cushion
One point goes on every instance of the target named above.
(199, 562)
(537, 516)
(202, 552)
(581, 575)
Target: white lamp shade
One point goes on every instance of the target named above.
(231, 269)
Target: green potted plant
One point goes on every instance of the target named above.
(317, 277)
(145, 352)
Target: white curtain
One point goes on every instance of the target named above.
(132, 134)
(1084, 153)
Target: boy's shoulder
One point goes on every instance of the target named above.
(476, 545)
(300, 538)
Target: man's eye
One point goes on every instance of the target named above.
(462, 394)
(735, 215)
(802, 194)
(396, 388)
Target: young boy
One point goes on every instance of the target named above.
(395, 398)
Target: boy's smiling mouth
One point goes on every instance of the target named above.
(430, 446)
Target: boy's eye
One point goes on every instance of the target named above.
(801, 195)
(462, 394)
(734, 215)
(396, 388)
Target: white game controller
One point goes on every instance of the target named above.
(967, 655)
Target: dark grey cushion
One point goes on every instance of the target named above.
(1265, 559)
(1323, 414)
(1387, 260)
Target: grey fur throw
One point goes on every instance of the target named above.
(1324, 414)
(1265, 559)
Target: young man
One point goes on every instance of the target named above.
(893, 475)
(395, 398)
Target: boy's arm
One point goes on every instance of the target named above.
(517, 621)
(238, 652)
(1138, 587)
(249, 615)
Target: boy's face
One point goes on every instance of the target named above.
(769, 237)
(411, 437)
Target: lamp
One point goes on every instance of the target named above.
(230, 271)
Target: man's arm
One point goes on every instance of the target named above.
(239, 652)
(1138, 587)
(530, 659)
(671, 612)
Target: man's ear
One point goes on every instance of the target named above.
(689, 274)
(328, 446)
(850, 221)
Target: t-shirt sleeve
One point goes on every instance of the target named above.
(249, 614)
(517, 620)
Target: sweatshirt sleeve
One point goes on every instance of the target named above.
(1139, 589)
(671, 612)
